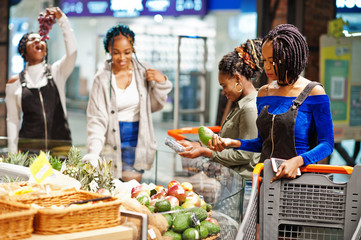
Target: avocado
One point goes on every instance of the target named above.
(144, 200)
(174, 235)
(212, 228)
(190, 234)
(203, 232)
(151, 208)
(181, 222)
(200, 213)
(169, 219)
(205, 134)
(180, 210)
(162, 206)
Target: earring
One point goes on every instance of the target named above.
(241, 90)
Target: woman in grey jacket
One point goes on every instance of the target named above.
(124, 95)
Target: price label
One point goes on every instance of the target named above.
(41, 168)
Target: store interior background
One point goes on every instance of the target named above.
(226, 24)
(155, 42)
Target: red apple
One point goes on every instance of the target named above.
(159, 195)
(172, 183)
(212, 220)
(178, 192)
(194, 199)
(173, 201)
(188, 204)
(140, 189)
(160, 188)
(187, 186)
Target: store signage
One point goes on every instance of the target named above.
(132, 8)
(348, 5)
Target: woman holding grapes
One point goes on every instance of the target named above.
(35, 98)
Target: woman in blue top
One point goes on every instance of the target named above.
(294, 119)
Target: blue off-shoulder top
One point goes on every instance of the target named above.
(314, 112)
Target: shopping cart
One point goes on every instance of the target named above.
(311, 206)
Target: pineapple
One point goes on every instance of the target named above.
(71, 171)
(18, 158)
(74, 163)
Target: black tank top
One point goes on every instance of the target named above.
(43, 114)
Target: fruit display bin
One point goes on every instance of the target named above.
(52, 218)
(219, 186)
(16, 220)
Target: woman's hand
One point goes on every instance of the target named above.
(154, 75)
(288, 169)
(56, 11)
(196, 151)
(219, 144)
(186, 143)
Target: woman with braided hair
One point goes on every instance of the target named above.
(294, 113)
(237, 71)
(35, 99)
(124, 94)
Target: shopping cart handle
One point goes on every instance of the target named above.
(177, 133)
(324, 168)
(319, 168)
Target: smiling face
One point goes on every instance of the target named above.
(35, 49)
(269, 66)
(229, 86)
(122, 53)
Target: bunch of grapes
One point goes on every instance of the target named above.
(45, 21)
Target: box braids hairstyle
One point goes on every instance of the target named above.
(290, 52)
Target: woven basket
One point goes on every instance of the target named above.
(16, 220)
(102, 214)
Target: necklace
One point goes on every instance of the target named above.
(130, 72)
(124, 80)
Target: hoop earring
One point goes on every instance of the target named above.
(241, 90)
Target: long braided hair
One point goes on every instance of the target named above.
(114, 31)
(290, 52)
(245, 60)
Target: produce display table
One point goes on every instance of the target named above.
(114, 233)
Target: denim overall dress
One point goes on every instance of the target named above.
(43, 114)
(278, 130)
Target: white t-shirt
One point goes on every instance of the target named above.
(127, 101)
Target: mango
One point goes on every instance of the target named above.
(205, 134)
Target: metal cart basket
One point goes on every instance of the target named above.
(311, 206)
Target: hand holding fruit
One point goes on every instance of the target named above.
(47, 20)
(55, 11)
(219, 144)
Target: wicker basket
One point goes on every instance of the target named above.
(76, 218)
(16, 220)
